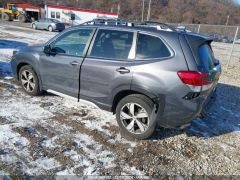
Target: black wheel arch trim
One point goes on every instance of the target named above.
(158, 100)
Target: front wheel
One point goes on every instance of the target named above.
(22, 18)
(29, 80)
(133, 116)
(50, 28)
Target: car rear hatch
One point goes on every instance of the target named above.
(204, 75)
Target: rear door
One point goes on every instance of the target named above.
(108, 67)
(60, 72)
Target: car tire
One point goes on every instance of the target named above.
(133, 116)
(34, 26)
(50, 28)
(29, 80)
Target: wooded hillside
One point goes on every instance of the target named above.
(172, 11)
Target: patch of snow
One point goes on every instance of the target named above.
(8, 78)
(6, 54)
(44, 163)
(121, 139)
(23, 112)
(50, 143)
(10, 85)
(11, 139)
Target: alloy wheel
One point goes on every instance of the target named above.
(134, 118)
(28, 81)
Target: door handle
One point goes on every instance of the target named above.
(74, 63)
(123, 70)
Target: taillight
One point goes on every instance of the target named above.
(197, 81)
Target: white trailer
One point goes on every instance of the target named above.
(64, 14)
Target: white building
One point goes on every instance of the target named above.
(64, 14)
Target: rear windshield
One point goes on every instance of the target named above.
(206, 56)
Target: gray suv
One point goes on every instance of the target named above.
(147, 76)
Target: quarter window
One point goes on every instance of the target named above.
(53, 14)
(151, 47)
(206, 57)
(72, 43)
(112, 44)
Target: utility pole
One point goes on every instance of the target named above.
(227, 20)
(119, 8)
(149, 10)
(143, 7)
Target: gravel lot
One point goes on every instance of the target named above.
(55, 136)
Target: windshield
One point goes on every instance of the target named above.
(13, 7)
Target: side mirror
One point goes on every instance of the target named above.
(47, 49)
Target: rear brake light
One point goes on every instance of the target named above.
(194, 78)
(197, 81)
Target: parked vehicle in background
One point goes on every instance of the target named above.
(237, 41)
(221, 38)
(48, 24)
(227, 39)
(147, 77)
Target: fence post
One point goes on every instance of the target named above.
(199, 26)
(233, 44)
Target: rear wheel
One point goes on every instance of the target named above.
(50, 28)
(133, 116)
(6, 17)
(29, 80)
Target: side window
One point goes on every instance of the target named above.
(52, 14)
(72, 43)
(58, 15)
(151, 47)
(112, 44)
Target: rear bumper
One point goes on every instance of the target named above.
(60, 28)
(179, 111)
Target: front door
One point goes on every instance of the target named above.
(60, 69)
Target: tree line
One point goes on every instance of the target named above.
(171, 11)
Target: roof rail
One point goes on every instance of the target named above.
(158, 25)
(106, 21)
(120, 22)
